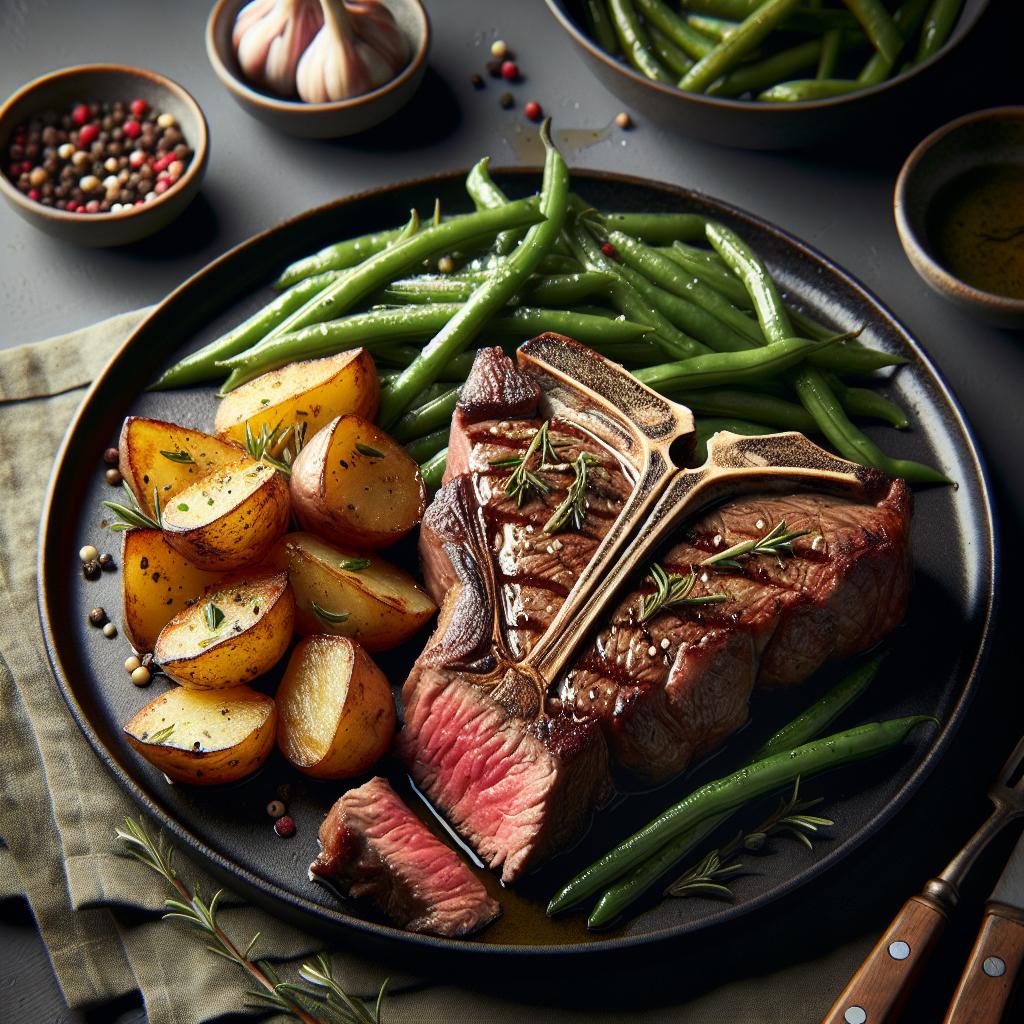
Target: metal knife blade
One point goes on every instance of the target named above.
(1009, 889)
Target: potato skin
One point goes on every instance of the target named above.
(156, 582)
(230, 657)
(234, 730)
(385, 606)
(337, 492)
(313, 391)
(243, 534)
(365, 721)
(144, 467)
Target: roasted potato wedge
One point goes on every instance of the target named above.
(229, 519)
(377, 604)
(354, 484)
(233, 634)
(156, 455)
(336, 712)
(311, 392)
(156, 582)
(205, 738)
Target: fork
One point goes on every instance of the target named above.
(877, 992)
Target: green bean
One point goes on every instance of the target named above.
(747, 405)
(423, 448)
(823, 712)
(732, 791)
(600, 26)
(908, 20)
(658, 228)
(938, 24)
(490, 296)
(668, 53)
(634, 42)
(201, 366)
(811, 386)
(428, 395)
(879, 26)
(763, 73)
(540, 290)
(693, 43)
(801, 90)
(714, 28)
(804, 728)
(707, 427)
(728, 53)
(487, 196)
(432, 470)
(869, 404)
(430, 416)
(339, 256)
(831, 47)
(803, 19)
(728, 368)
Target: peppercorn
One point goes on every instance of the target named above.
(533, 110)
(445, 265)
(91, 570)
(113, 476)
(609, 250)
(285, 827)
(507, 101)
(131, 664)
(106, 561)
(142, 676)
(88, 553)
(478, 82)
(510, 71)
(276, 809)
(499, 49)
(98, 617)
(111, 456)
(110, 631)
(623, 120)
(493, 68)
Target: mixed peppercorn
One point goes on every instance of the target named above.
(98, 158)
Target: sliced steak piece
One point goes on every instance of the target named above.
(377, 849)
(518, 772)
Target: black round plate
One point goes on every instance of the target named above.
(932, 668)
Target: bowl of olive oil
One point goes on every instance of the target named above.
(959, 208)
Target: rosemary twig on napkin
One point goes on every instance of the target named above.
(321, 1001)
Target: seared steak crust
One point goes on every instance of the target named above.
(377, 849)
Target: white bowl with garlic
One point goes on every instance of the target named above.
(319, 68)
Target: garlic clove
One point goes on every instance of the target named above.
(272, 38)
(376, 26)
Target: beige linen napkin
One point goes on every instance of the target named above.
(98, 911)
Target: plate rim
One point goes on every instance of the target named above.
(278, 900)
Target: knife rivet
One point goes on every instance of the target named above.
(993, 967)
(855, 1015)
(899, 950)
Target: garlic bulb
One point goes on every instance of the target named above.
(270, 37)
(358, 49)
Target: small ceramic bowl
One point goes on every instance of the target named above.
(748, 124)
(98, 83)
(990, 140)
(321, 120)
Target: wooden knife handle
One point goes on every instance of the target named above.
(877, 991)
(988, 979)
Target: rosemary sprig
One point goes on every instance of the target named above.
(182, 457)
(777, 541)
(789, 818)
(672, 590)
(262, 444)
(131, 515)
(324, 1003)
(214, 617)
(521, 481)
(332, 618)
(574, 504)
(162, 736)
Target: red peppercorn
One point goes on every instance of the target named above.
(34, 193)
(138, 107)
(533, 110)
(510, 71)
(26, 166)
(163, 163)
(72, 206)
(285, 826)
(132, 129)
(162, 185)
(88, 134)
(80, 114)
(609, 250)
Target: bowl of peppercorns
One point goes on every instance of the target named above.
(101, 154)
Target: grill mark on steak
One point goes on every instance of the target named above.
(656, 694)
(377, 849)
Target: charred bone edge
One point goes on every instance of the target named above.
(572, 377)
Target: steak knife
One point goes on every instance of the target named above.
(987, 981)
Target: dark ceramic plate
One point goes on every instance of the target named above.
(932, 669)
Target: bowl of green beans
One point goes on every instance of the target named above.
(767, 74)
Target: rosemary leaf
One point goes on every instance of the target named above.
(181, 457)
(162, 735)
(777, 541)
(574, 506)
(332, 618)
(672, 590)
(214, 616)
(354, 564)
(365, 449)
